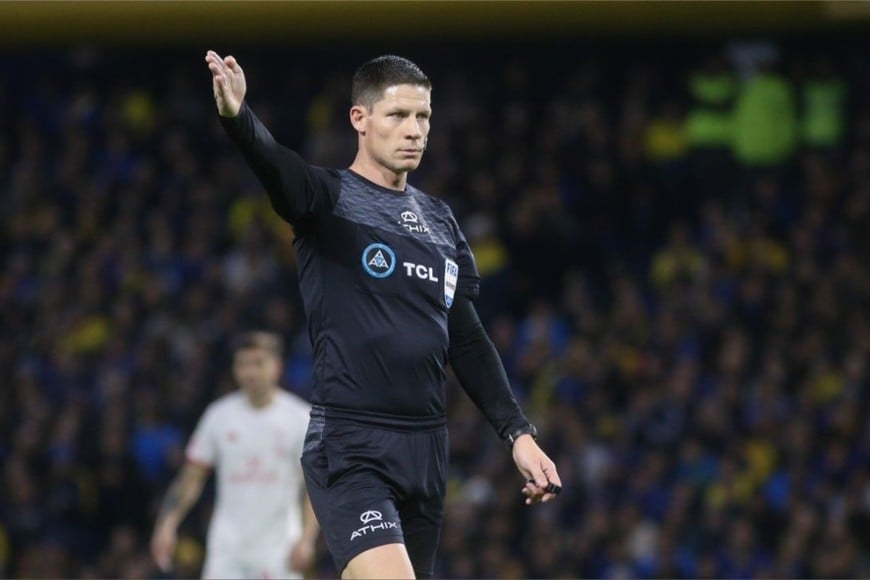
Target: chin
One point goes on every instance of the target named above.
(408, 165)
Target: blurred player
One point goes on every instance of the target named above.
(387, 280)
(263, 525)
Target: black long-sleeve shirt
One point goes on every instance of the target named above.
(387, 281)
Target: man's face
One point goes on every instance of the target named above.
(255, 369)
(394, 132)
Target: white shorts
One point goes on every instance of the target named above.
(227, 565)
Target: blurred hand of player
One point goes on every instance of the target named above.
(537, 468)
(228, 81)
(163, 545)
(302, 555)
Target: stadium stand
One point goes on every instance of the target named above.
(674, 247)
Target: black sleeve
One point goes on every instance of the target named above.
(296, 189)
(469, 278)
(478, 367)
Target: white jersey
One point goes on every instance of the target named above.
(255, 453)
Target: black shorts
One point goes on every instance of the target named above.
(372, 485)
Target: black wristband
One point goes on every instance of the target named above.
(528, 429)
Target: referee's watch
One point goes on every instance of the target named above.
(527, 429)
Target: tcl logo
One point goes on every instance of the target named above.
(422, 272)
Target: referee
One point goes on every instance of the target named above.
(388, 283)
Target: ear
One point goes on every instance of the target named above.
(359, 118)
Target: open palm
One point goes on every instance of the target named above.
(228, 81)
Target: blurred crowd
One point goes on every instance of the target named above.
(674, 247)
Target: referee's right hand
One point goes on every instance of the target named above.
(228, 81)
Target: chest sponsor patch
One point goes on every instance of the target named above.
(451, 275)
(378, 260)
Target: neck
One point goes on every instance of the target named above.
(378, 173)
(260, 399)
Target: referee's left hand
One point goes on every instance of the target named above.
(538, 470)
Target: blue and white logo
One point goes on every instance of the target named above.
(451, 276)
(378, 260)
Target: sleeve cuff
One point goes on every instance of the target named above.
(231, 123)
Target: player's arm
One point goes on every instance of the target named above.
(310, 527)
(295, 189)
(182, 495)
(478, 367)
(302, 553)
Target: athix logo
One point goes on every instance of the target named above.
(378, 260)
(372, 516)
(411, 222)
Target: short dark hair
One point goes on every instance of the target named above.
(268, 341)
(373, 78)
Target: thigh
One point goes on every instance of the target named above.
(355, 507)
(386, 561)
(423, 512)
(421, 524)
(355, 515)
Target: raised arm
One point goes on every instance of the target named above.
(296, 189)
(183, 493)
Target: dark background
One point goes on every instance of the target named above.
(686, 322)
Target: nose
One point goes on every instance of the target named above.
(413, 130)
